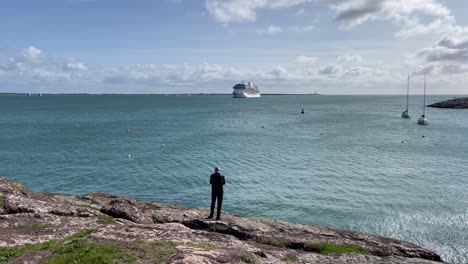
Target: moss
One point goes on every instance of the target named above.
(331, 248)
(36, 226)
(246, 257)
(271, 241)
(290, 258)
(106, 219)
(2, 201)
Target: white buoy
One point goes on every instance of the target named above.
(162, 145)
(129, 155)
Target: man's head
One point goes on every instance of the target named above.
(217, 169)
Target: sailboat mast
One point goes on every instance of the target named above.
(424, 105)
(407, 93)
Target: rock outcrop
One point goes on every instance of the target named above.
(28, 217)
(457, 103)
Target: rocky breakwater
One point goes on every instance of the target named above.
(457, 103)
(37, 227)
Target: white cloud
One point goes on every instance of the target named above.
(299, 29)
(307, 60)
(273, 29)
(75, 66)
(424, 70)
(349, 13)
(350, 58)
(453, 47)
(328, 70)
(33, 64)
(151, 74)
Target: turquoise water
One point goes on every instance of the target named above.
(340, 164)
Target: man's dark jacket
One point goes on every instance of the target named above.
(217, 181)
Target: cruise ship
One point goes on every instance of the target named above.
(245, 90)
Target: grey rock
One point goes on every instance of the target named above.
(136, 221)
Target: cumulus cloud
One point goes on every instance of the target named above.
(75, 66)
(151, 74)
(424, 70)
(349, 13)
(453, 47)
(227, 11)
(328, 70)
(35, 65)
(452, 69)
(272, 29)
(350, 58)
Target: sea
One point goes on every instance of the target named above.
(348, 162)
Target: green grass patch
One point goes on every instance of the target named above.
(77, 248)
(290, 258)
(217, 228)
(204, 245)
(159, 252)
(106, 219)
(270, 241)
(36, 226)
(83, 251)
(247, 257)
(331, 248)
(10, 253)
(2, 201)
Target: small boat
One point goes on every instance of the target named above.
(405, 113)
(423, 119)
(302, 111)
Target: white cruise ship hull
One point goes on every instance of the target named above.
(239, 94)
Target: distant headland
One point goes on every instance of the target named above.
(456, 103)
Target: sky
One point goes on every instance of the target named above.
(207, 46)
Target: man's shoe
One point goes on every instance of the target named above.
(217, 218)
(210, 217)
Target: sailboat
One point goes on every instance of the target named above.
(405, 113)
(423, 120)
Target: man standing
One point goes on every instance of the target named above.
(217, 181)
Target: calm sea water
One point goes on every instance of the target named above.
(349, 161)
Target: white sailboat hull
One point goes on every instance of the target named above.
(423, 121)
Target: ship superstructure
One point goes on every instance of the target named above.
(245, 90)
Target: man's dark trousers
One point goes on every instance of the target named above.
(216, 196)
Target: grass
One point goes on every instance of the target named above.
(331, 248)
(77, 249)
(2, 201)
(83, 251)
(247, 257)
(105, 219)
(217, 228)
(291, 258)
(36, 226)
(9, 253)
(270, 241)
(160, 252)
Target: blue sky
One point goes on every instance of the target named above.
(284, 46)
